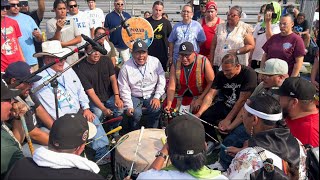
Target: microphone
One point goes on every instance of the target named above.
(95, 45)
(125, 25)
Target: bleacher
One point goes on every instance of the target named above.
(172, 8)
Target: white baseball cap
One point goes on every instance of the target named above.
(274, 66)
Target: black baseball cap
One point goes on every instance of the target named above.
(7, 93)
(20, 70)
(185, 136)
(139, 46)
(296, 87)
(186, 48)
(71, 131)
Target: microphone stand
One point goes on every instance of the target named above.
(54, 83)
(18, 82)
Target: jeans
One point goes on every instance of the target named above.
(100, 145)
(110, 105)
(235, 138)
(152, 115)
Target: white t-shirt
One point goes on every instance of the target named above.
(96, 16)
(260, 36)
(170, 174)
(83, 23)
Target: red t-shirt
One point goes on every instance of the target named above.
(10, 47)
(306, 129)
(210, 32)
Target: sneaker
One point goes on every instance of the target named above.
(212, 146)
(216, 166)
(104, 161)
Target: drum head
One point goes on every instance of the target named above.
(140, 29)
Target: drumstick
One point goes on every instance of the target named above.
(212, 138)
(108, 133)
(111, 120)
(188, 113)
(119, 142)
(135, 153)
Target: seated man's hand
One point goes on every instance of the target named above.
(224, 126)
(118, 102)
(167, 108)
(196, 104)
(155, 103)
(130, 112)
(232, 151)
(88, 115)
(18, 109)
(107, 112)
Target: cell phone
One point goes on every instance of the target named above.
(274, 16)
(67, 22)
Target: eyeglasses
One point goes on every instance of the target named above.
(5, 8)
(283, 24)
(187, 12)
(73, 6)
(14, 5)
(120, 4)
(185, 55)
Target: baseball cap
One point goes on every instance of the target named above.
(296, 87)
(7, 93)
(186, 48)
(52, 48)
(185, 135)
(274, 66)
(71, 131)
(139, 46)
(211, 4)
(20, 70)
(4, 3)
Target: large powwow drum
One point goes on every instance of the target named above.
(124, 155)
(140, 29)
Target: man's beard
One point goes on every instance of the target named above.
(285, 112)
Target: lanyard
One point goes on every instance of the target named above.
(145, 67)
(187, 29)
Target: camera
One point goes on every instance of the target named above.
(274, 16)
(67, 22)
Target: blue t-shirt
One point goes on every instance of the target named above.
(112, 20)
(191, 32)
(27, 25)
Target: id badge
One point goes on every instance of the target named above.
(184, 108)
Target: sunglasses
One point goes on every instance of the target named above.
(5, 8)
(120, 4)
(14, 5)
(73, 6)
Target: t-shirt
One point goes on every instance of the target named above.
(300, 27)
(306, 129)
(286, 48)
(261, 89)
(96, 76)
(159, 47)
(259, 34)
(210, 32)
(113, 20)
(83, 23)
(96, 17)
(10, 46)
(68, 32)
(181, 33)
(30, 115)
(230, 89)
(27, 26)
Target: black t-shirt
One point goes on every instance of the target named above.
(230, 89)
(96, 76)
(26, 168)
(159, 47)
(300, 27)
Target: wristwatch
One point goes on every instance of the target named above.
(159, 153)
(238, 52)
